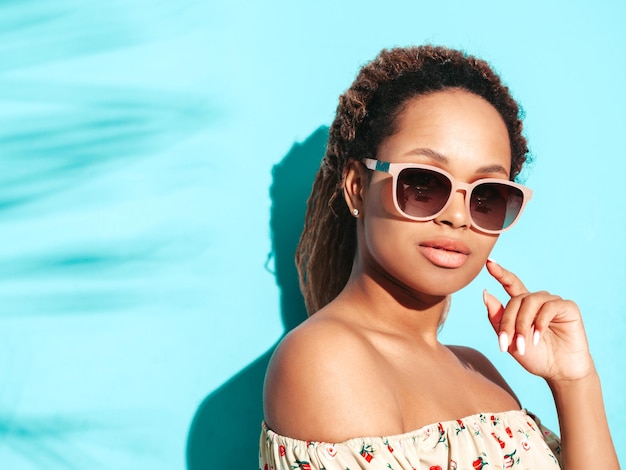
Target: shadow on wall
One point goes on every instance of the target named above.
(59, 136)
(225, 430)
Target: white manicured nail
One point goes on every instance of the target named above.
(536, 338)
(520, 343)
(503, 341)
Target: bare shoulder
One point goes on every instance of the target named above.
(315, 382)
(477, 361)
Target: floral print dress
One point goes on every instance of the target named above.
(489, 441)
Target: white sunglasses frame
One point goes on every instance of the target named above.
(394, 170)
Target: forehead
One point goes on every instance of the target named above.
(459, 125)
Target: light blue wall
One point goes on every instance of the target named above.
(137, 142)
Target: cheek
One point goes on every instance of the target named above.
(386, 200)
(485, 243)
(381, 234)
(385, 233)
(481, 248)
(379, 202)
(379, 199)
(386, 245)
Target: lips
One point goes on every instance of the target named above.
(447, 244)
(445, 252)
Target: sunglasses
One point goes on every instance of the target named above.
(423, 192)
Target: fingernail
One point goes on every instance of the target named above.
(492, 260)
(536, 338)
(503, 341)
(485, 293)
(520, 343)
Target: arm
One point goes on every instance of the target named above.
(545, 334)
(585, 436)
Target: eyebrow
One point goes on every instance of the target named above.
(439, 157)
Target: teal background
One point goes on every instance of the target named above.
(155, 157)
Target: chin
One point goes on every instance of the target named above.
(441, 282)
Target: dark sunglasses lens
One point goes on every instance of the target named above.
(422, 192)
(495, 206)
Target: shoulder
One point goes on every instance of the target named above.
(315, 382)
(477, 361)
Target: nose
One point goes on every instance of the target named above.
(455, 214)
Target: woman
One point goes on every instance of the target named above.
(413, 192)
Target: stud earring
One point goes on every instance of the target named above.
(355, 212)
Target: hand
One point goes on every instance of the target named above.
(543, 332)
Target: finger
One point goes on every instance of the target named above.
(511, 283)
(532, 307)
(548, 313)
(519, 319)
(495, 311)
(529, 309)
(507, 331)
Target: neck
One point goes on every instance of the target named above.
(386, 306)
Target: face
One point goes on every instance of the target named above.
(460, 133)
